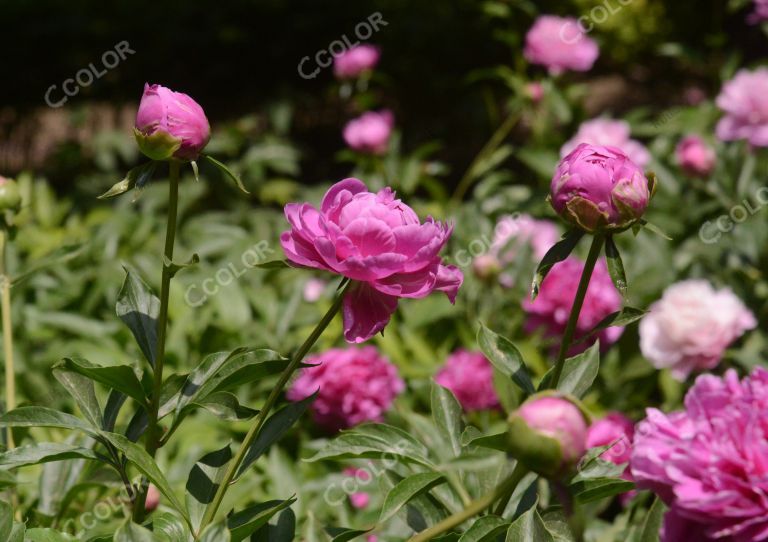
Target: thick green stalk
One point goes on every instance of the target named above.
(153, 427)
(578, 302)
(253, 432)
(5, 300)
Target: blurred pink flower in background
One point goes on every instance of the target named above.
(313, 289)
(550, 311)
(611, 133)
(617, 431)
(153, 498)
(354, 385)
(359, 499)
(744, 100)
(695, 157)
(760, 12)
(170, 123)
(469, 375)
(708, 462)
(370, 132)
(535, 91)
(355, 61)
(513, 234)
(559, 44)
(690, 327)
(378, 242)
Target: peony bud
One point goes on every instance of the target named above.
(369, 133)
(548, 434)
(10, 198)
(599, 188)
(695, 157)
(170, 124)
(486, 266)
(355, 61)
(153, 498)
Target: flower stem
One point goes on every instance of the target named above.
(253, 432)
(578, 302)
(501, 491)
(5, 301)
(153, 428)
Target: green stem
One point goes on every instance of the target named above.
(506, 487)
(520, 471)
(5, 300)
(153, 428)
(253, 432)
(578, 302)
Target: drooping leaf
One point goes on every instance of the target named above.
(579, 372)
(138, 176)
(225, 170)
(505, 357)
(282, 530)
(559, 252)
(615, 266)
(446, 413)
(82, 391)
(38, 416)
(407, 489)
(44, 452)
(139, 308)
(242, 524)
(117, 377)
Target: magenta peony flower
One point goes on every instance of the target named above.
(744, 99)
(170, 124)
(690, 327)
(560, 419)
(559, 44)
(354, 385)
(355, 61)
(695, 157)
(370, 132)
(469, 375)
(599, 188)
(760, 13)
(552, 307)
(708, 462)
(610, 133)
(375, 240)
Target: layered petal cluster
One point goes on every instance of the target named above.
(354, 385)
(744, 100)
(617, 431)
(610, 133)
(355, 61)
(550, 310)
(690, 327)
(709, 462)
(560, 44)
(469, 375)
(695, 157)
(169, 124)
(370, 132)
(375, 240)
(597, 188)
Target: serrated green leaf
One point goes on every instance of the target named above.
(505, 357)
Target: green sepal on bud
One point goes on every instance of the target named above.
(539, 453)
(158, 146)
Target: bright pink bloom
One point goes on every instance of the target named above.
(559, 419)
(370, 132)
(174, 114)
(354, 385)
(695, 157)
(690, 327)
(355, 61)
(552, 307)
(599, 188)
(375, 240)
(709, 462)
(608, 133)
(744, 99)
(559, 44)
(153, 498)
(469, 375)
(760, 13)
(615, 430)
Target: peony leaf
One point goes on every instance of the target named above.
(578, 372)
(139, 308)
(505, 357)
(226, 171)
(485, 529)
(559, 252)
(407, 489)
(615, 266)
(118, 377)
(652, 522)
(136, 177)
(446, 413)
(242, 524)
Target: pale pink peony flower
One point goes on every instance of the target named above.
(744, 99)
(559, 419)
(355, 61)
(599, 188)
(695, 157)
(709, 461)
(609, 133)
(354, 385)
(169, 124)
(469, 375)
(690, 327)
(370, 132)
(552, 307)
(378, 242)
(560, 44)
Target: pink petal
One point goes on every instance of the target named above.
(366, 312)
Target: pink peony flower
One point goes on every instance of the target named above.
(370, 132)
(170, 124)
(560, 44)
(708, 462)
(760, 12)
(609, 133)
(690, 327)
(513, 234)
(354, 385)
(744, 99)
(561, 420)
(615, 430)
(552, 307)
(313, 289)
(695, 157)
(153, 498)
(375, 240)
(469, 375)
(599, 188)
(355, 61)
